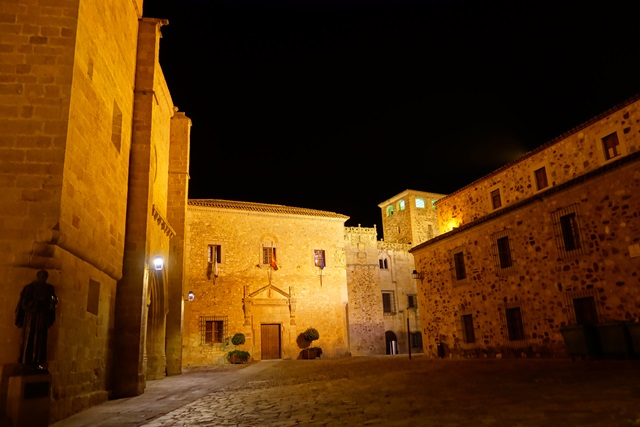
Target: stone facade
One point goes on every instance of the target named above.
(410, 217)
(93, 172)
(237, 290)
(549, 241)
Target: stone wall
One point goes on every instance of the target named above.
(71, 106)
(245, 293)
(545, 278)
(573, 154)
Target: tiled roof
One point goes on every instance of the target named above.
(262, 207)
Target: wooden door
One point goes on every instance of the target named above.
(270, 341)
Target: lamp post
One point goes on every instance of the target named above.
(408, 334)
(416, 276)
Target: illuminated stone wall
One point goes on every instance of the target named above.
(71, 114)
(247, 293)
(545, 278)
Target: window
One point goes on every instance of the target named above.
(570, 236)
(401, 205)
(467, 329)
(116, 127)
(269, 256)
(318, 258)
(567, 231)
(384, 263)
(496, 202)
(412, 301)
(214, 257)
(611, 145)
(214, 254)
(389, 210)
(213, 329)
(504, 252)
(429, 231)
(388, 303)
(514, 324)
(585, 309)
(541, 178)
(419, 203)
(458, 261)
(433, 204)
(416, 340)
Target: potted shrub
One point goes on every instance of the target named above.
(310, 335)
(238, 356)
(238, 339)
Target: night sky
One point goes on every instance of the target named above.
(340, 105)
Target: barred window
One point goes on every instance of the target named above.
(514, 324)
(213, 329)
(567, 231)
(412, 301)
(467, 329)
(416, 339)
(388, 303)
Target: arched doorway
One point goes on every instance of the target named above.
(391, 342)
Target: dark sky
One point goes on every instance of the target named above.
(340, 105)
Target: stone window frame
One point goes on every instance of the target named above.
(213, 261)
(496, 252)
(495, 197)
(514, 326)
(319, 258)
(466, 326)
(455, 267)
(536, 180)
(621, 147)
(391, 303)
(566, 225)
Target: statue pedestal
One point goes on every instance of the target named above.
(28, 399)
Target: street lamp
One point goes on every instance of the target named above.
(408, 334)
(417, 276)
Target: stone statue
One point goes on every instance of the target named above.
(35, 313)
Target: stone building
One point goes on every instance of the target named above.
(356, 291)
(267, 271)
(540, 247)
(93, 172)
(384, 269)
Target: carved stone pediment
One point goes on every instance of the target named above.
(268, 295)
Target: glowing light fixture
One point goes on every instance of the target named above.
(158, 263)
(416, 275)
(191, 296)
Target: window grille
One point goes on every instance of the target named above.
(388, 303)
(567, 231)
(213, 329)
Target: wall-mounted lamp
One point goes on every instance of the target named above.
(191, 296)
(158, 263)
(416, 275)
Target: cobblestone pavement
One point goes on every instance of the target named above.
(397, 391)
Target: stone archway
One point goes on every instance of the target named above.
(391, 342)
